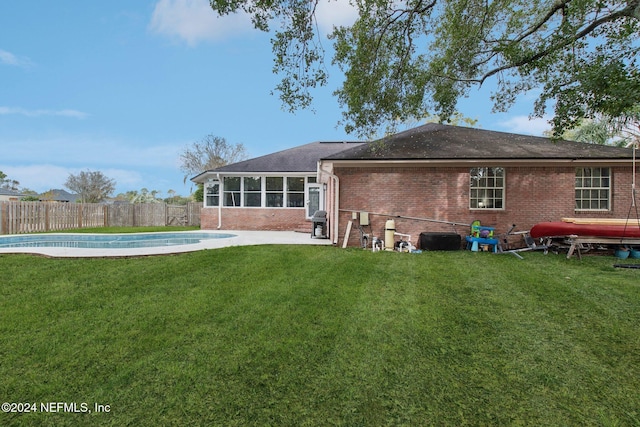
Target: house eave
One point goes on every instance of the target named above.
(393, 163)
(203, 177)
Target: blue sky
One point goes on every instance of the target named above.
(122, 87)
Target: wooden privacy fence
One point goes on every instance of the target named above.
(31, 217)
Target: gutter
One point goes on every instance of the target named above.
(219, 201)
(336, 210)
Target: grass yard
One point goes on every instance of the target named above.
(307, 336)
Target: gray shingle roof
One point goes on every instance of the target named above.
(303, 158)
(440, 142)
(7, 192)
(59, 195)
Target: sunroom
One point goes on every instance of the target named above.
(265, 191)
(279, 191)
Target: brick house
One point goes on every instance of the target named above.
(431, 176)
(278, 191)
(457, 174)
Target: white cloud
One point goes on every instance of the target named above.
(161, 156)
(194, 21)
(38, 177)
(38, 113)
(330, 13)
(43, 177)
(9, 58)
(526, 126)
(126, 178)
(90, 151)
(42, 162)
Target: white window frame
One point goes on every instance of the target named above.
(592, 188)
(213, 195)
(246, 192)
(289, 192)
(280, 192)
(240, 196)
(487, 186)
(235, 193)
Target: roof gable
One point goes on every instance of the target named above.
(302, 159)
(445, 142)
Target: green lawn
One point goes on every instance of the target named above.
(305, 335)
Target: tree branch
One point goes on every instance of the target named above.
(628, 11)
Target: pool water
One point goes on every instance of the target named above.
(107, 241)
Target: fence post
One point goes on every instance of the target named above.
(3, 227)
(46, 217)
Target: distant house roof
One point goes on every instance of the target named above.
(444, 142)
(10, 193)
(59, 195)
(7, 192)
(303, 158)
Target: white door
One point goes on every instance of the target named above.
(315, 199)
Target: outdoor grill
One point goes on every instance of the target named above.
(319, 225)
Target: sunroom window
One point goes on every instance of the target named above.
(486, 188)
(252, 191)
(213, 194)
(258, 191)
(275, 192)
(232, 191)
(593, 189)
(295, 192)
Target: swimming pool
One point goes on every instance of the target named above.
(107, 241)
(61, 245)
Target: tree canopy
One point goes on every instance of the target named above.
(621, 131)
(7, 183)
(209, 153)
(414, 58)
(92, 187)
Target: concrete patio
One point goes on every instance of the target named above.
(240, 238)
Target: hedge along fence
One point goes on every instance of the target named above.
(32, 217)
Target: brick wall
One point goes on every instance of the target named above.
(533, 194)
(276, 219)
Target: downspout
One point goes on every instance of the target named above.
(336, 203)
(219, 201)
(337, 207)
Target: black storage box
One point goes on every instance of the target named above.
(440, 241)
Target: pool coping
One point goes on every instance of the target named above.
(240, 238)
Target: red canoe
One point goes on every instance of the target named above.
(559, 228)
